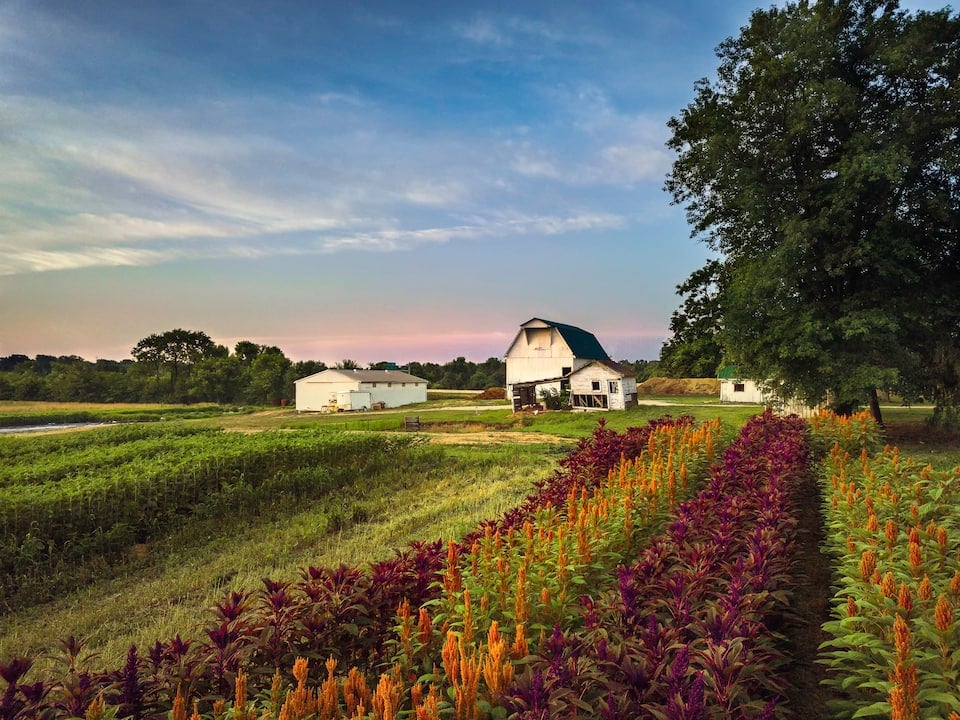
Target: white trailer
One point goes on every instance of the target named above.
(353, 400)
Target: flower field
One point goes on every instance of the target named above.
(650, 576)
(892, 528)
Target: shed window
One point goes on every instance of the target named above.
(389, 384)
(373, 384)
(613, 387)
(595, 386)
(738, 387)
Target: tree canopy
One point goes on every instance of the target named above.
(822, 165)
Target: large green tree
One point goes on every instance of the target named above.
(822, 166)
(174, 352)
(694, 350)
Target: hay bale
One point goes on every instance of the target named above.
(679, 386)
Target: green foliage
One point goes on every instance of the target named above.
(67, 499)
(694, 350)
(822, 166)
(554, 399)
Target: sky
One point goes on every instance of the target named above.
(376, 181)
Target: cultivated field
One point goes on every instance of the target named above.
(183, 514)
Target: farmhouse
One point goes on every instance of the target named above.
(333, 390)
(549, 357)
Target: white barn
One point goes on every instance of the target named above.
(333, 389)
(544, 357)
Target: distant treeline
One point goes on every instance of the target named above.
(187, 366)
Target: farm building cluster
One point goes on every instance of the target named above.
(544, 358)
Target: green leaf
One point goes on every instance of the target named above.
(877, 708)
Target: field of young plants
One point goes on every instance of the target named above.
(653, 574)
(91, 497)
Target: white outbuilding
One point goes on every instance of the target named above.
(734, 388)
(602, 385)
(334, 390)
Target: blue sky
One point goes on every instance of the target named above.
(380, 181)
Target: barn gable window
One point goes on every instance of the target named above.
(595, 386)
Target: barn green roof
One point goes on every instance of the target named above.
(583, 344)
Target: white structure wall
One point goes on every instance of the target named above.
(319, 392)
(540, 353)
(602, 385)
(742, 390)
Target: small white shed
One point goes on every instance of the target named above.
(602, 385)
(737, 389)
(334, 389)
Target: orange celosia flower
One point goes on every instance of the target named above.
(356, 693)
(497, 668)
(942, 539)
(179, 710)
(888, 586)
(424, 627)
(872, 523)
(955, 582)
(520, 648)
(904, 599)
(868, 563)
(430, 708)
(521, 605)
(891, 531)
(925, 591)
(943, 614)
(465, 694)
(300, 668)
(901, 637)
(852, 609)
(95, 709)
(916, 558)
(240, 694)
(386, 698)
(898, 704)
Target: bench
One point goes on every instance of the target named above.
(411, 423)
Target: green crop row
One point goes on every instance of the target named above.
(29, 460)
(161, 485)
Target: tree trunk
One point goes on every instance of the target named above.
(875, 407)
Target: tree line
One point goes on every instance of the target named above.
(183, 366)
